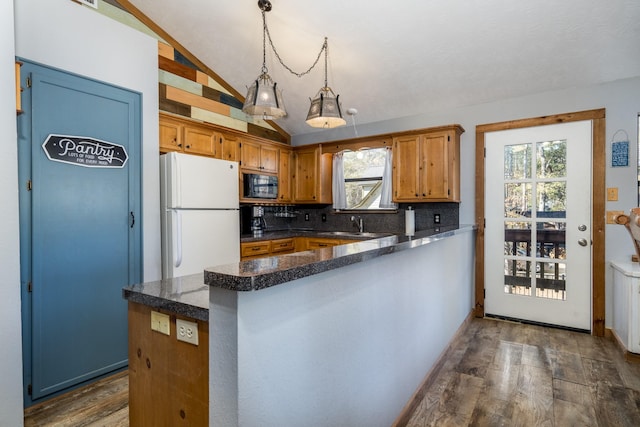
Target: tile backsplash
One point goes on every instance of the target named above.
(324, 218)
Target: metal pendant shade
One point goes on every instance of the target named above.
(264, 99)
(325, 111)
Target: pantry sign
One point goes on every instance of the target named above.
(84, 151)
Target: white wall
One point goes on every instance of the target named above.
(65, 35)
(621, 99)
(74, 38)
(10, 337)
(347, 347)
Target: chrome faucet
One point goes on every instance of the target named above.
(359, 223)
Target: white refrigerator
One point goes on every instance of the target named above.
(199, 213)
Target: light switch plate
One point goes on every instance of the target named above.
(611, 216)
(612, 194)
(187, 331)
(160, 322)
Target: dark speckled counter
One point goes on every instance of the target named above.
(261, 273)
(189, 295)
(186, 295)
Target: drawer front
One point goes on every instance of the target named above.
(282, 245)
(321, 243)
(255, 249)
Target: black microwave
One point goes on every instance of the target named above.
(260, 186)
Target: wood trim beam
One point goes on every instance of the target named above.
(598, 119)
(137, 13)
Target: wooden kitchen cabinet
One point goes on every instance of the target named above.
(321, 242)
(259, 157)
(170, 134)
(426, 166)
(229, 148)
(283, 246)
(311, 177)
(284, 175)
(201, 140)
(255, 249)
(168, 379)
(265, 248)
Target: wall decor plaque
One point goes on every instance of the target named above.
(84, 151)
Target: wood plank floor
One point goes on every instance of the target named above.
(105, 403)
(496, 374)
(509, 374)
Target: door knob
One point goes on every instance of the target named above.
(582, 227)
(582, 242)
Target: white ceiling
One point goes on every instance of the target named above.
(396, 59)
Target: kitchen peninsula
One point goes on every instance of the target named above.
(337, 336)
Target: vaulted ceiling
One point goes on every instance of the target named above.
(396, 59)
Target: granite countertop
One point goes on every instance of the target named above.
(261, 273)
(301, 232)
(186, 295)
(189, 295)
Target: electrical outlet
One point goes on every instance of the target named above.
(160, 322)
(306, 217)
(324, 217)
(611, 216)
(187, 331)
(612, 194)
(436, 218)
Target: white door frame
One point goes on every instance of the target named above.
(597, 118)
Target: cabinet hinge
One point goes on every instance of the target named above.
(484, 293)
(29, 389)
(29, 286)
(448, 138)
(28, 81)
(29, 185)
(484, 152)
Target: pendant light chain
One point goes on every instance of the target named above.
(322, 49)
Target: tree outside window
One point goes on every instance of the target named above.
(363, 171)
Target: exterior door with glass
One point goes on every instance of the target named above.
(538, 220)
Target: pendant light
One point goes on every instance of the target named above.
(325, 111)
(264, 99)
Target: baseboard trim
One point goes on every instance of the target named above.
(429, 379)
(628, 356)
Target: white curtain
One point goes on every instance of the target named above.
(337, 183)
(386, 192)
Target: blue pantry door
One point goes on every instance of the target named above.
(81, 224)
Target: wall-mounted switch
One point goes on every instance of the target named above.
(612, 194)
(611, 216)
(436, 218)
(160, 322)
(187, 331)
(324, 217)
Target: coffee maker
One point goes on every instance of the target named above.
(258, 224)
